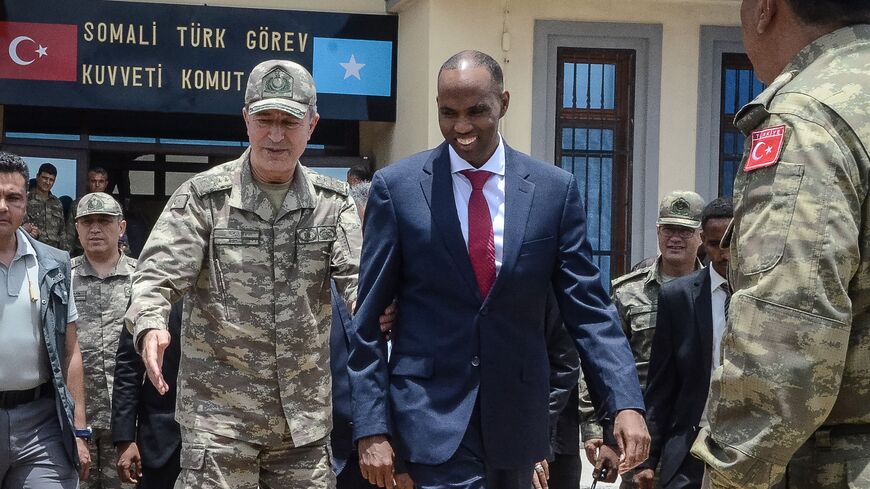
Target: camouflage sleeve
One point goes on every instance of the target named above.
(794, 252)
(589, 427)
(170, 262)
(345, 253)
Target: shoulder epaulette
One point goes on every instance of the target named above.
(755, 112)
(328, 183)
(207, 183)
(628, 276)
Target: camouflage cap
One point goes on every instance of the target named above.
(681, 208)
(98, 203)
(281, 85)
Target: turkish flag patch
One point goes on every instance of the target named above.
(31, 51)
(766, 148)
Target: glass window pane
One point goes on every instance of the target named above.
(593, 202)
(609, 86)
(594, 139)
(596, 82)
(606, 203)
(604, 267)
(174, 179)
(568, 164)
(581, 138)
(141, 182)
(607, 140)
(745, 87)
(566, 138)
(730, 91)
(568, 86)
(580, 175)
(582, 86)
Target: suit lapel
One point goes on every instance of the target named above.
(704, 317)
(518, 203)
(437, 186)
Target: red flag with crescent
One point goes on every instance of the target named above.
(766, 148)
(31, 51)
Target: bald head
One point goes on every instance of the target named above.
(475, 59)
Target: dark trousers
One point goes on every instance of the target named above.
(688, 476)
(466, 469)
(161, 477)
(351, 476)
(565, 472)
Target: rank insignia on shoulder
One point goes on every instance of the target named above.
(766, 148)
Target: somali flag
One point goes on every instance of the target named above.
(353, 66)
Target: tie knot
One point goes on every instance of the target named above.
(477, 178)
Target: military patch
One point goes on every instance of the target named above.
(277, 83)
(81, 296)
(766, 148)
(238, 237)
(179, 201)
(319, 234)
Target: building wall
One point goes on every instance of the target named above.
(458, 24)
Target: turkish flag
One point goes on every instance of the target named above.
(766, 148)
(30, 51)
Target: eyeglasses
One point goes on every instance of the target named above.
(671, 231)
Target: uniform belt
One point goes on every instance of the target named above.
(12, 399)
(823, 435)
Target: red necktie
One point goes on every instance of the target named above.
(481, 243)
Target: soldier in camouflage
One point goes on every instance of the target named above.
(636, 294)
(45, 219)
(254, 243)
(101, 281)
(98, 181)
(791, 399)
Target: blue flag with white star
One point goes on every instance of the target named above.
(353, 66)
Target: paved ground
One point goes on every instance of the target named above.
(586, 477)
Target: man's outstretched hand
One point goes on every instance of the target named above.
(154, 344)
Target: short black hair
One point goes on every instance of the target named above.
(721, 208)
(47, 168)
(831, 12)
(477, 59)
(361, 172)
(98, 170)
(10, 163)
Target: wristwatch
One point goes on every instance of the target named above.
(85, 434)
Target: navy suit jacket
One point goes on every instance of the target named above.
(451, 346)
(679, 373)
(139, 412)
(341, 437)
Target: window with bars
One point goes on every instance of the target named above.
(593, 141)
(739, 87)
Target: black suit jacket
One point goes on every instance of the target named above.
(679, 372)
(139, 412)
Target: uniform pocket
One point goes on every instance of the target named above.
(192, 457)
(766, 210)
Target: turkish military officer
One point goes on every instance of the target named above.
(45, 218)
(790, 400)
(254, 242)
(101, 281)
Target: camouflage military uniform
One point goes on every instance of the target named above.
(101, 303)
(47, 215)
(794, 384)
(255, 361)
(72, 236)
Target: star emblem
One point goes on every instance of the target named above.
(769, 150)
(351, 68)
(42, 51)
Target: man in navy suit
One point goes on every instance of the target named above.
(470, 237)
(685, 350)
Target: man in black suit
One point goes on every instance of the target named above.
(144, 429)
(685, 350)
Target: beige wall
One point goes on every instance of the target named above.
(454, 25)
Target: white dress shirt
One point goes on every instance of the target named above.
(717, 307)
(493, 191)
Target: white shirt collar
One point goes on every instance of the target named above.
(495, 163)
(716, 280)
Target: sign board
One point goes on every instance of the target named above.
(100, 54)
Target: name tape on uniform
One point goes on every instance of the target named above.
(766, 148)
